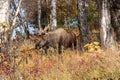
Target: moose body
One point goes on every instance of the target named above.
(57, 39)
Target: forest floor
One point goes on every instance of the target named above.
(27, 63)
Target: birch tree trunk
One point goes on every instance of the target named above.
(4, 18)
(106, 31)
(39, 14)
(82, 24)
(53, 15)
(16, 13)
(4, 14)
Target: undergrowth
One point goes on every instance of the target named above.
(31, 64)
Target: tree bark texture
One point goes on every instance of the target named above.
(115, 18)
(82, 24)
(16, 13)
(4, 12)
(39, 14)
(53, 15)
(68, 13)
(106, 30)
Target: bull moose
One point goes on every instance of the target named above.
(56, 39)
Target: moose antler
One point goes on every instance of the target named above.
(45, 30)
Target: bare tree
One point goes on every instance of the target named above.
(106, 31)
(82, 24)
(4, 19)
(39, 14)
(53, 15)
(4, 13)
(16, 13)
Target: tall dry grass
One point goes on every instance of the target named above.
(31, 64)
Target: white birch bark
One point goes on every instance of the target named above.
(39, 14)
(16, 13)
(106, 31)
(53, 15)
(4, 14)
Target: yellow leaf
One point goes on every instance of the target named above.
(96, 43)
(91, 50)
(85, 46)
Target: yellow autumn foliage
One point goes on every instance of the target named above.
(91, 47)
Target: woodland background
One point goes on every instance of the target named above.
(96, 24)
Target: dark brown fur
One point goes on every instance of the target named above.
(57, 39)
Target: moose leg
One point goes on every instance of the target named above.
(46, 48)
(75, 45)
(59, 48)
(46, 51)
(37, 46)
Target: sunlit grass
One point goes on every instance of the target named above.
(31, 64)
